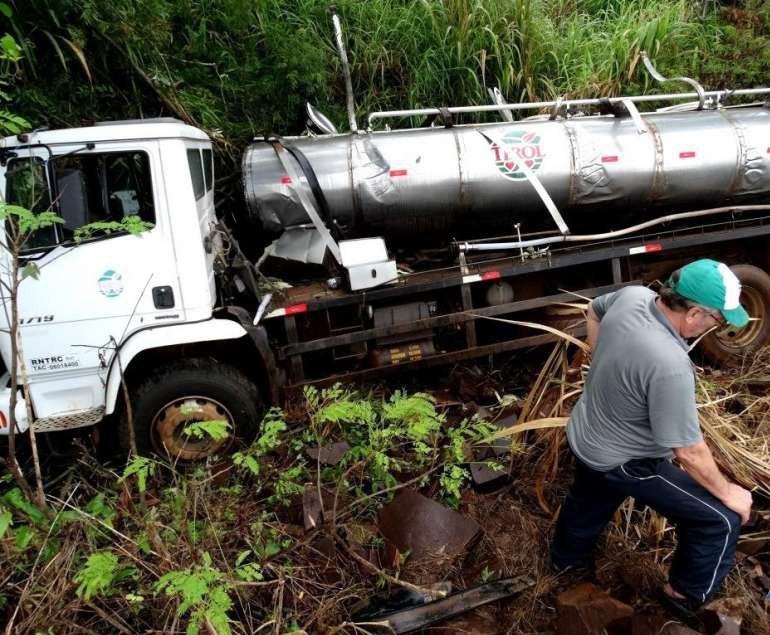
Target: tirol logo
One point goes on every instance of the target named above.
(111, 283)
(519, 146)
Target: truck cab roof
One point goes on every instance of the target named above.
(106, 131)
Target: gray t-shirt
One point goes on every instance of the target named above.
(639, 396)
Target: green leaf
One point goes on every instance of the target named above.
(6, 519)
(31, 270)
(5, 10)
(23, 535)
(9, 49)
(202, 592)
(217, 429)
(97, 576)
(12, 123)
(99, 508)
(142, 467)
(246, 462)
(133, 225)
(15, 498)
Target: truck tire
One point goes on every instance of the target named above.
(731, 345)
(185, 392)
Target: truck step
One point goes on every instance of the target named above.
(79, 419)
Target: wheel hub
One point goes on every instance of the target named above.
(170, 428)
(739, 338)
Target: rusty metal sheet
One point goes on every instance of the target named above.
(425, 528)
(485, 478)
(585, 609)
(330, 454)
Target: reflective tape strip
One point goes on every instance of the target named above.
(480, 277)
(687, 155)
(289, 310)
(645, 249)
(613, 158)
(397, 173)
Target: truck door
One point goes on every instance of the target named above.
(90, 294)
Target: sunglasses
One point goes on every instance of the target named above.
(716, 316)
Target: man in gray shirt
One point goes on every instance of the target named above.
(637, 411)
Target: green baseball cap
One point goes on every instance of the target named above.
(711, 284)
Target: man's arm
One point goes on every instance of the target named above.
(699, 463)
(592, 326)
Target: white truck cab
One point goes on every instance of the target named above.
(99, 304)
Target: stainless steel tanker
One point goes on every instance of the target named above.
(430, 185)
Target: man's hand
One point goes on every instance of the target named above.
(592, 326)
(739, 500)
(699, 463)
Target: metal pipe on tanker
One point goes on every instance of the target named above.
(539, 105)
(540, 242)
(345, 69)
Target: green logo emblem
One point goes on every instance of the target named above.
(111, 284)
(518, 146)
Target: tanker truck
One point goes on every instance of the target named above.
(392, 247)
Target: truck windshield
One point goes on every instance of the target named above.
(89, 188)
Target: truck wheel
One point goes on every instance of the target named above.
(183, 393)
(729, 345)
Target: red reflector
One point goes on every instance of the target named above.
(286, 180)
(768, 150)
(397, 173)
(613, 158)
(653, 247)
(297, 308)
(687, 155)
(490, 275)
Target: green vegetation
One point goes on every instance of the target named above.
(240, 68)
(205, 545)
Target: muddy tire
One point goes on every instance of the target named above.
(731, 345)
(193, 390)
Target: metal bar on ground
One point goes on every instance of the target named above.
(418, 617)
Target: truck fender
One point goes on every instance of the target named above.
(275, 378)
(160, 337)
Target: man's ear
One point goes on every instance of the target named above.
(691, 313)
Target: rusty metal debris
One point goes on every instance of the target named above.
(723, 616)
(425, 528)
(585, 609)
(486, 478)
(328, 454)
(418, 617)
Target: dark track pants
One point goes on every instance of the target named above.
(707, 531)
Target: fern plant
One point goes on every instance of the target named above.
(102, 570)
(142, 468)
(202, 592)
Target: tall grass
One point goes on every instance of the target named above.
(244, 67)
